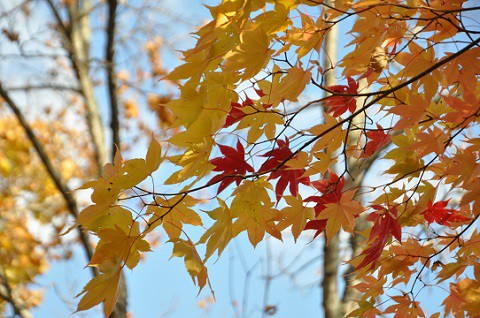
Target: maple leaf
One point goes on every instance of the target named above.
(290, 86)
(385, 225)
(317, 225)
(117, 243)
(275, 21)
(193, 263)
(331, 190)
(461, 108)
(259, 123)
(341, 214)
(338, 104)
(430, 141)
(331, 141)
(437, 212)
(405, 308)
(154, 156)
(376, 140)
(464, 297)
(104, 287)
(310, 35)
(455, 301)
(259, 92)
(371, 286)
(236, 113)
(366, 309)
(132, 173)
(97, 217)
(174, 212)
(252, 54)
(411, 114)
(194, 162)
(232, 163)
(220, 233)
(253, 209)
(285, 174)
(296, 215)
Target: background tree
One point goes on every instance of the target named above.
(74, 78)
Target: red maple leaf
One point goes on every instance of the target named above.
(385, 225)
(376, 140)
(331, 191)
(318, 225)
(340, 104)
(232, 163)
(259, 92)
(236, 113)
(285, 174)
(437, 212)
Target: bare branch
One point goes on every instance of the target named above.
(76, 38)
(6, 293)
(65, 30)
(112, 85)
(35, 87)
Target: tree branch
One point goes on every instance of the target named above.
(120, 309)
(76, 38)
(65, 30)
(6, 293)
(112, 85)
(53, 87)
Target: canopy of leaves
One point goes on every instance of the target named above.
(426, 98)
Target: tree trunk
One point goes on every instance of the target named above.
(334, 304)
(77, 36)
(331, 251)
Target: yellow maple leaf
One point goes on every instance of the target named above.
(188, 107)
(193, 263)
(310, 36)
(254, 210)
(194, 162)
(331, 140)
(259, 123)
(117, 243)
(173, 213)
(295, 215)
(132, 173)
(104, 287)
(154, 156)
(220, 233)
(252, 54)
(291, 85)
(276, 20)
(341, 214)
(97, 217)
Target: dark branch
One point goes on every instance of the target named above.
(112, 85)
(6, 293)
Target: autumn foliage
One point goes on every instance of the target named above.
(256, 127)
